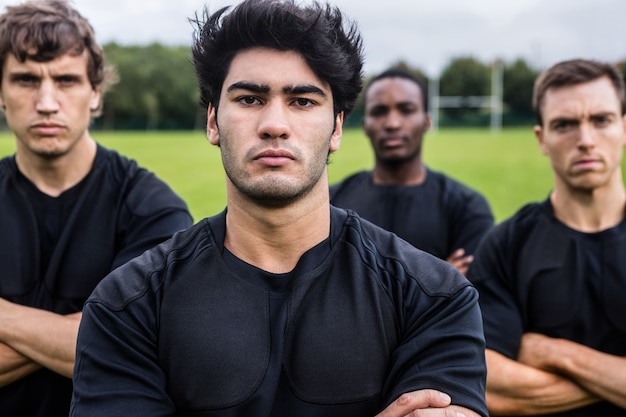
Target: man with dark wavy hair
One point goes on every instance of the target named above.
(70, 210)
(281, 305)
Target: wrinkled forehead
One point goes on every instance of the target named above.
(593, 97)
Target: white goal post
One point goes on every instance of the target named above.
(493, 102)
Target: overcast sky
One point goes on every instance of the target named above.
(425, 33)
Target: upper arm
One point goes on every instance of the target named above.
(490, 272)
(473, 220)
(153, 214)
(117, 371)
(444, 350)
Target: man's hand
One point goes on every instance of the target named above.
(14, 366)
(460, 261)
(424, 403)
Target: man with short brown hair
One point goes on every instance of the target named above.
(552, 278)
(70, 210)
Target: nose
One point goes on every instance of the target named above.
(274, 121)
(586, 136)
(393, 120)
(47, 100)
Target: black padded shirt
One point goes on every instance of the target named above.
(534, 274)
(363, 318)
(438, 216)
(53, 251)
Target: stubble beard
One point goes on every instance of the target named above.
(273, 189)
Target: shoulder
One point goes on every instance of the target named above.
(7, 166)
(454, 187)
(111, 159)
(391, 256)
(140, 188)
(507, 242)
(350, 182)
(152, 270)
(523, 221)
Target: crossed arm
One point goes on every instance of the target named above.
(31, 338)
(553, 375)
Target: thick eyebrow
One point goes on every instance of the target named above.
(576, 120)
(304, 89)
(560, 120)
(263, 88)
(245, 85)
(603, 114)
(21, 73)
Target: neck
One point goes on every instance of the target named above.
(55, 175)
(274, 239)
(399, 173)
(590, 211)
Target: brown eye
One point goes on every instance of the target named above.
(249, 100)
(26, 79)
(67, 80)
(303, 102)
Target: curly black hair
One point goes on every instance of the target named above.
(332, 50)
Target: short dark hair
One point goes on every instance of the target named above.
(573, 72)
(317, 32)
(45, 30)
(396, 72)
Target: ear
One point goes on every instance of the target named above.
(94, 102)
(427, 123)
(539, 133)
(335, 139)
(2, 105)
(212, 132)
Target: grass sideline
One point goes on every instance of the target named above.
(507, 167)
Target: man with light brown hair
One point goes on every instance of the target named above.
(70, 210)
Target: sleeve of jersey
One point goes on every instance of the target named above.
(443, 349)
(491, 273)
(153, 213)
(116, 371)
(474, 219)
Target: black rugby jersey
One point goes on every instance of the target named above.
(53, 251)
(438, 216)
(535, 274)
(364, 318)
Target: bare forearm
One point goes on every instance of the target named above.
(14, 365)
(600, 373)
(46, 338)
(517, 389)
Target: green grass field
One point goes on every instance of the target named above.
(507, 168)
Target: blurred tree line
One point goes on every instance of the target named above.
(157, 90)
(467, 77)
